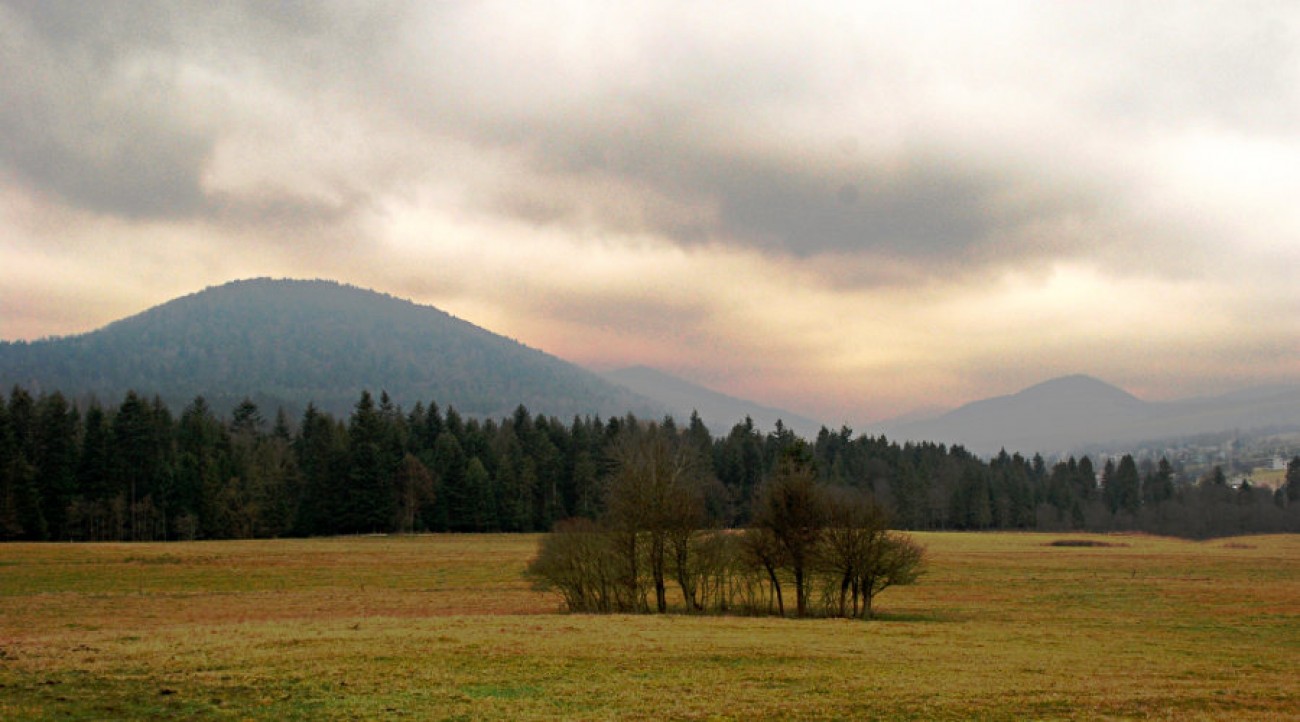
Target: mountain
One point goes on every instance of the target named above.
(290, 342)
(718, 411)
(1071, 412)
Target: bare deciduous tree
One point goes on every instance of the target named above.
(791, 507)
(654, 494)
(895, 560)
(578, 560)
(833, 539)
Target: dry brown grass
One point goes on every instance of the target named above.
(1004, 626)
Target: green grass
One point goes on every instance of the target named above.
(1003, 626)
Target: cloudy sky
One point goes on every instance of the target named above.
(848, 210)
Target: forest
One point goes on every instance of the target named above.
(136, 471)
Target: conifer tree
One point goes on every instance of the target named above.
(321, 451)
(479, 510)
(56, 461)
(1123, 486)
(370, 504)
(451, 497)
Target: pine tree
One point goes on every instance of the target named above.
(321, 451)
(131, 457)
(9, 527)
(20, 510)
(1123, 486)
(56, 461)
(1085, 478)
(93, 518)
(1159, 486)
(451, 501)
(371, 500)
(203, 465)
(479, 509)
(515, 479)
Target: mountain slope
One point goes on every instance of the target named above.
(287, 342)
(718, 411)
(1074, 411)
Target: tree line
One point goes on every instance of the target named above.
(136, 471)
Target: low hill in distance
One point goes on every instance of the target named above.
(718, 411)
(290, 342)
(1071, 412)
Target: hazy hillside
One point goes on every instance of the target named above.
(1073, 411)
(718, 411)
(287, 342)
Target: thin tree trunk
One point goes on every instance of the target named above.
(776, 587)
(845, 583)
(801, 598)
(657, 570)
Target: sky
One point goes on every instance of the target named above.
(849, 210)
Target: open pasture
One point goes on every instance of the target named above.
(1002, 626)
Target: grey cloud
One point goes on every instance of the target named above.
(95, 107)
(78, 126)
(934, 207)
(100, 117)
(694, 147)
(682, 128)
(929, 208)
(704, 132)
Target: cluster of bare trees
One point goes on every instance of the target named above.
(655, 548)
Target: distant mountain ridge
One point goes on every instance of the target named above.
(718, 411)
(290, 342)
(1071, 412)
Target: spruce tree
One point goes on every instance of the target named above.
(370, 504)
(321, 449)
(451, 500)
(56, 461)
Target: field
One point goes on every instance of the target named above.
(1268, 478)
(1002, 626)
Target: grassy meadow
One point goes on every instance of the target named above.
(1002, 626)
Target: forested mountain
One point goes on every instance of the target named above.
(1072, 412)
(182, 435)
(717, 410)
(288, 342)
